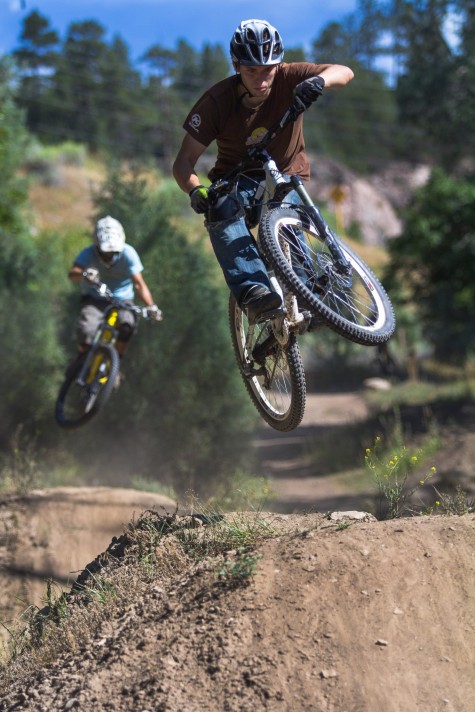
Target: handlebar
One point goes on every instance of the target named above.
(257, 152)
(104, 292)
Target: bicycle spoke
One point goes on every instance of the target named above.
(274, 377)
(335, 284)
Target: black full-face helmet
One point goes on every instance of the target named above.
(255, 43)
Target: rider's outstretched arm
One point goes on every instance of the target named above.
(75, 274)
(141, 289)
(336, 75)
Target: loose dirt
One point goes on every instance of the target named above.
(342, 613)
(340, 616)
(53, 533)
(297, 485)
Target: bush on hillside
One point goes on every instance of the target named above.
(181, 415)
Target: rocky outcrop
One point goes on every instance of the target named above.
(368, 206)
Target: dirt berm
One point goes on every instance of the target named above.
(319, 613)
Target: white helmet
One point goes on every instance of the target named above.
(109, 238)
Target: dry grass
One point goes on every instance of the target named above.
(67, 203)
(157, 550)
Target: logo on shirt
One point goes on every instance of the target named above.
(195, 122)
(256, 136)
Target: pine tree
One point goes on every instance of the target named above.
(37, 57)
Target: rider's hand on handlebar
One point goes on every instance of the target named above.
(306, 93)
(154, 313)
(91, 275)
(199, 199)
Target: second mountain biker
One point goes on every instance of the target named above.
(112, 261)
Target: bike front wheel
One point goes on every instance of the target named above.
(274, 376)
(83, 393)
(351, 302)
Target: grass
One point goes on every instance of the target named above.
(423, 392)
(145, 484)
(454, 504)
(158, 549)
(241, 569)
(391, 471)
(20, 471)
(412, 422)
(238, 531)
(243, 492)
(391, 463)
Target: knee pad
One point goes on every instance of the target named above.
(125, 331)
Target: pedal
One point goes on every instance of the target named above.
(271, 314)
(251, 372)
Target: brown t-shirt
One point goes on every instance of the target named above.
(219, 115)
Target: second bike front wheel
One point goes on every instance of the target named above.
(353, 303)
(78, 402)
(275, 380)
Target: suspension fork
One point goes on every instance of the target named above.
(323, 229)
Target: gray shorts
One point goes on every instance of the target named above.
(91, 315)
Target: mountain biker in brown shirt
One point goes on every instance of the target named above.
(236, 113)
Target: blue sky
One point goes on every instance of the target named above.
(142, 23)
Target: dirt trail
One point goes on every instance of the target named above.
(340, 616)
(54, 533)
(282, 456)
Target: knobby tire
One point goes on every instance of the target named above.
(276, 386)
(75, 405)
(355, 306)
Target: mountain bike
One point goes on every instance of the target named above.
(92, 376)
(322, 281)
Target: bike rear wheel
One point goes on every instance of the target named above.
(276, 382)
(78, 402)
(355, 305)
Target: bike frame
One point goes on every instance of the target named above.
(322, 281)
(275, 179)
(278, 185)
(106, 333)
(273, 189)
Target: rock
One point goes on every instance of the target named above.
(377, 384)
(326, 674)
(352, 515)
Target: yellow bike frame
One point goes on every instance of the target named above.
(106, 334)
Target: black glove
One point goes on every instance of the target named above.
(306, 93)
(199, 199)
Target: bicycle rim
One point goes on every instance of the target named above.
(78, 403)
(354, 305)
(276, 384)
